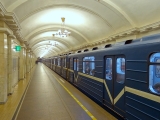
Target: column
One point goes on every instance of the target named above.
(25, 62)
(9, 66)
(21, 62)
(31, 59)
(3, 68)
(28, 60)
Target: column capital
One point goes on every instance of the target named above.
(8, 32)
(22, 44)
(12, 36)
(28, 50)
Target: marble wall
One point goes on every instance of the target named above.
(14, 65)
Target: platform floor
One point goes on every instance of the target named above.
(50, 97)
(8, 109)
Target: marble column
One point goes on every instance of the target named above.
(3, 68)
(25, 62)
(21, 62)
(9, 66)
(28, 60)
(31, 65)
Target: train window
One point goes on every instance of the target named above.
(154, 73)
(109, 68)
(54, 61)
(64, 62)
(59, 61)
(120, 70)
(70, 63)
(89, 65)
(77, 64)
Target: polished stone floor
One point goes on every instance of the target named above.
(8, 109)
(47, 99)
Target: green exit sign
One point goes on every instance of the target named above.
(18, 48)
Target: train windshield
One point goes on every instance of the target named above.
(154, 73)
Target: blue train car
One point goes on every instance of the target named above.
(124, 78)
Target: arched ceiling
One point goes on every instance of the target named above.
(88, 21)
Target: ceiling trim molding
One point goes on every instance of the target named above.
(11, 20)
(129, 32)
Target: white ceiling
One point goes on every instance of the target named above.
(88, 20)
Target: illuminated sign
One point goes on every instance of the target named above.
(17, 48)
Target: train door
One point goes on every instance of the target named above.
(114, 83)
(108, 83)
(76, 69)
(119, 103)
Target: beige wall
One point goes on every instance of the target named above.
(13, 64)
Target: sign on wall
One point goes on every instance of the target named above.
(17, 48)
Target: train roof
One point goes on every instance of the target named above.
(120, 45)
(152, 39)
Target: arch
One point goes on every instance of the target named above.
(38, 51)
(52, 28)
(58, 46)
(51, 39)
(43, 47)
(15, 5)
(44, 54)
(67, 5)
(121, 11)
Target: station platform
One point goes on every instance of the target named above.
(50, 97)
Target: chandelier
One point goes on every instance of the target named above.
(51, 44)
(62, 32)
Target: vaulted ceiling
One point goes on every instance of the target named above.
(88, 21)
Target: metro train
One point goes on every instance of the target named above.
(124, 78)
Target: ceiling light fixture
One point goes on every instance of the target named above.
(62, 32)
(53, 44)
